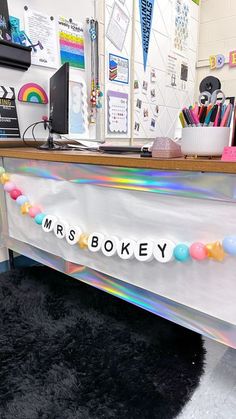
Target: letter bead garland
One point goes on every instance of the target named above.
(109, 246)
(72, 235)
(95, 241)
(48, 223)
(161, 250)
(164, 250)
(125, 249)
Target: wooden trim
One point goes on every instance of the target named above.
(181, 164)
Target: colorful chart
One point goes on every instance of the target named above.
(33, 93)
(71, 38)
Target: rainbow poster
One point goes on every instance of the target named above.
(71, 39)
(32, 92)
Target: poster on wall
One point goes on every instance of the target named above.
(5, 30)
(9, 127)
(181, 26)
(117, 112)
(146, 13)
(71, 40)
(41, 30)
(118, 69)
(177, 72)
(117, 27)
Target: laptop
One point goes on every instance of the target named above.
(120, 149)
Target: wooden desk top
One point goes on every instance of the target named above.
(196, 165)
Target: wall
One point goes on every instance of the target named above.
(28, 113)
(217, 36)
(169, 99)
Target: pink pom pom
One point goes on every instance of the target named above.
(198, 251)
(15, 193)
(9, 186)
(33, 211)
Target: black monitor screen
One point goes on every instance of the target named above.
(59, 100)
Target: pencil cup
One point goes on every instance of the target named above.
(204, 141)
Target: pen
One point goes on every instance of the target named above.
(213, 115)
(186, 117)
(195, 118)
(230, 116)
(203, 114)
(226, 116)
(182, 120)
(217, 117)
(190, 117)
(208, 118)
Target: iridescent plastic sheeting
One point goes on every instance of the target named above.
(185, 316)
(214, 186)
(186, 299)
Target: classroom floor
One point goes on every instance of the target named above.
(215, 398)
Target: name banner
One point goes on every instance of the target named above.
(146, 13)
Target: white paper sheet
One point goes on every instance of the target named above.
(41, 30)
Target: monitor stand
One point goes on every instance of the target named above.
(50, 144)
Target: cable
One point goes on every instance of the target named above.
(35, 125)
(30, 126)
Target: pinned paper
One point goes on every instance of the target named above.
(118, 26)
(117, 112)
(71, 39)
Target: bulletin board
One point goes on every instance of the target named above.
(158, 90)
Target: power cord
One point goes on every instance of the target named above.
(33, 126)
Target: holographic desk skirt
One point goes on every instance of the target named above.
(134, 203)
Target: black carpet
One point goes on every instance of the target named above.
(69, 351)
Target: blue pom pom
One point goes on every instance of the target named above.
(181, 252)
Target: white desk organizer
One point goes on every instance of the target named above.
(204, 141)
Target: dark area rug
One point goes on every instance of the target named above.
(69, 351)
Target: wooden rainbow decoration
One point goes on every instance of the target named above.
(33, 93)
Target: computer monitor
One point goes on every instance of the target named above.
(67, 108)
(58, 107)
(59, 100)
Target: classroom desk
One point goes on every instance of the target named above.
(185, 200)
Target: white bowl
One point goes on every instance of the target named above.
(204, 141)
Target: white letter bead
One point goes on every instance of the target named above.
(144, 250)
(48, 223)
(60, 229)
(109, 245)
(163, 250)
(95, 242)
(73, 234)
(125, 249)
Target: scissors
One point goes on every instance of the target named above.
(216, 98)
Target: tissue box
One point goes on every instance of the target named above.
(165, 148)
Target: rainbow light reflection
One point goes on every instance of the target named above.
(214, 186)
(156, 304)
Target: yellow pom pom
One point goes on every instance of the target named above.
(5, 178)
(83, 241)
(215, 251)
(25, 208)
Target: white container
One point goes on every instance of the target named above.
(204, 141)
